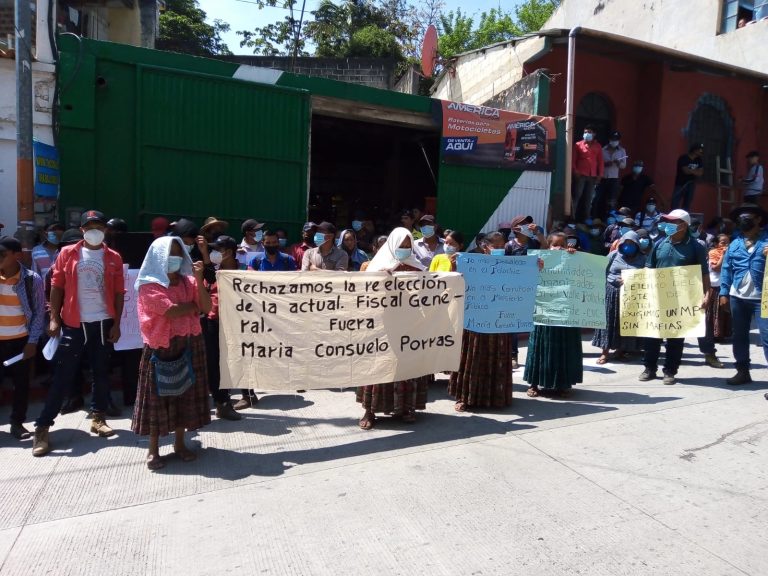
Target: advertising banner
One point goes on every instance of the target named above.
(292, 330)
(46, 162)
(483, 136)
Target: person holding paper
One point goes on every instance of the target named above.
(171, 298)
(401, 399)
(741, 285)
(87, 289)
(628, 256)
(22, 319)
(678, 248)
(484, 378)
(555, 361)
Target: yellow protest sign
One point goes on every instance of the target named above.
(764, 298)
(662, 302)
(291, 330)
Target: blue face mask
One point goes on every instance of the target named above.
(258, 236)
(628, 249)
(319, 238)
(428, 231)
(52, 238)
(403, 254)
(357, 225)
(174, 264)
(644, 243)
(624, 229)
(448, 249)
(670, 229)
(588, 136)
(497, 251)
(283, 242)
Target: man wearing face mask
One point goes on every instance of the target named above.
(196, 246)
(87, 288)
(429, 245)
(614, 161)
(635, 186)
(677, 249)
(741, 283)
(690, 167)
(650, 216)
(44, 254)
(326, 255)
(273, 260)
(644, 241)
(252, 243)
(587, 171)
(524, 235)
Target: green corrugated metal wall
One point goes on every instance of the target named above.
(138, 140)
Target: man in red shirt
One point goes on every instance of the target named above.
(307, 242)
(587, 172)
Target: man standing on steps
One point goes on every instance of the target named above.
(741, 284)
(22, 321)
(87, 289)
(678, 248)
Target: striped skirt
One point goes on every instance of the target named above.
(555, 360)
(610, 338)
(484, 378)
(718, 322)
(160, 415)
(397, 397)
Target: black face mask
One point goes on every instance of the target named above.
(271, 250)
(746, 224)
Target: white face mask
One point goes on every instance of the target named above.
(614, 143)
(174, 263)
(93, 237)
(216, 257)
(188, 247)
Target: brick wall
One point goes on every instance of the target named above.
(374, 72)
(7, 21)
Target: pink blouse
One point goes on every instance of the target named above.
(154, 301)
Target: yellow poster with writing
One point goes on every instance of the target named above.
(764, 298)
(294, 330)
(662, 303)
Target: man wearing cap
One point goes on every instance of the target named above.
(212, 228)
(326, 255)
(223, 253)
(587, 170)
(690, 167)
(636, 187)
(87, 288)
(429, 245)
(614, 161)
(196, 246)
(307, 241)
(741, 283)
(525, 235)
(677, 249)
(22, 321)
(252, 243)
(44, 253)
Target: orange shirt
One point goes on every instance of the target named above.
(13, 322)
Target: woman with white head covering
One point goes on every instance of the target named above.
(171, 297)
(401, 399)
(628, 256)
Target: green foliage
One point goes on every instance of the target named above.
(374, 42)
(183, 29)
(533, 14)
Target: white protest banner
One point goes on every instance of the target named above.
(130, 336)
(571, 289)
(290, 330)
(662, 302)
(501, 292)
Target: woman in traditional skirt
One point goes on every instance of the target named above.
(718, 321)
(401, 399)
(628, 256)
(484, 379)
(171, 298)
(555, 360)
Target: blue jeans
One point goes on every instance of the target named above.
(742, 312)
(682, 196)
(89, 337)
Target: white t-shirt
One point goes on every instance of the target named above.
(746, 289)
(90, 285)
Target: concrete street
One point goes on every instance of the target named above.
(624, 477)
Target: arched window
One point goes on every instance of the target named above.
(594, 109)
(711, 124)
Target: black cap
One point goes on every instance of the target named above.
(615, 135)
(326, 228)
(118, 225)
(185, 228)
(10, 243)
(308, 226)
(753, 154)
(226, 242)
(92, 216)
(71, 236)
(251, 224)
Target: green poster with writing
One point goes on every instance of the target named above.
(571, 289)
